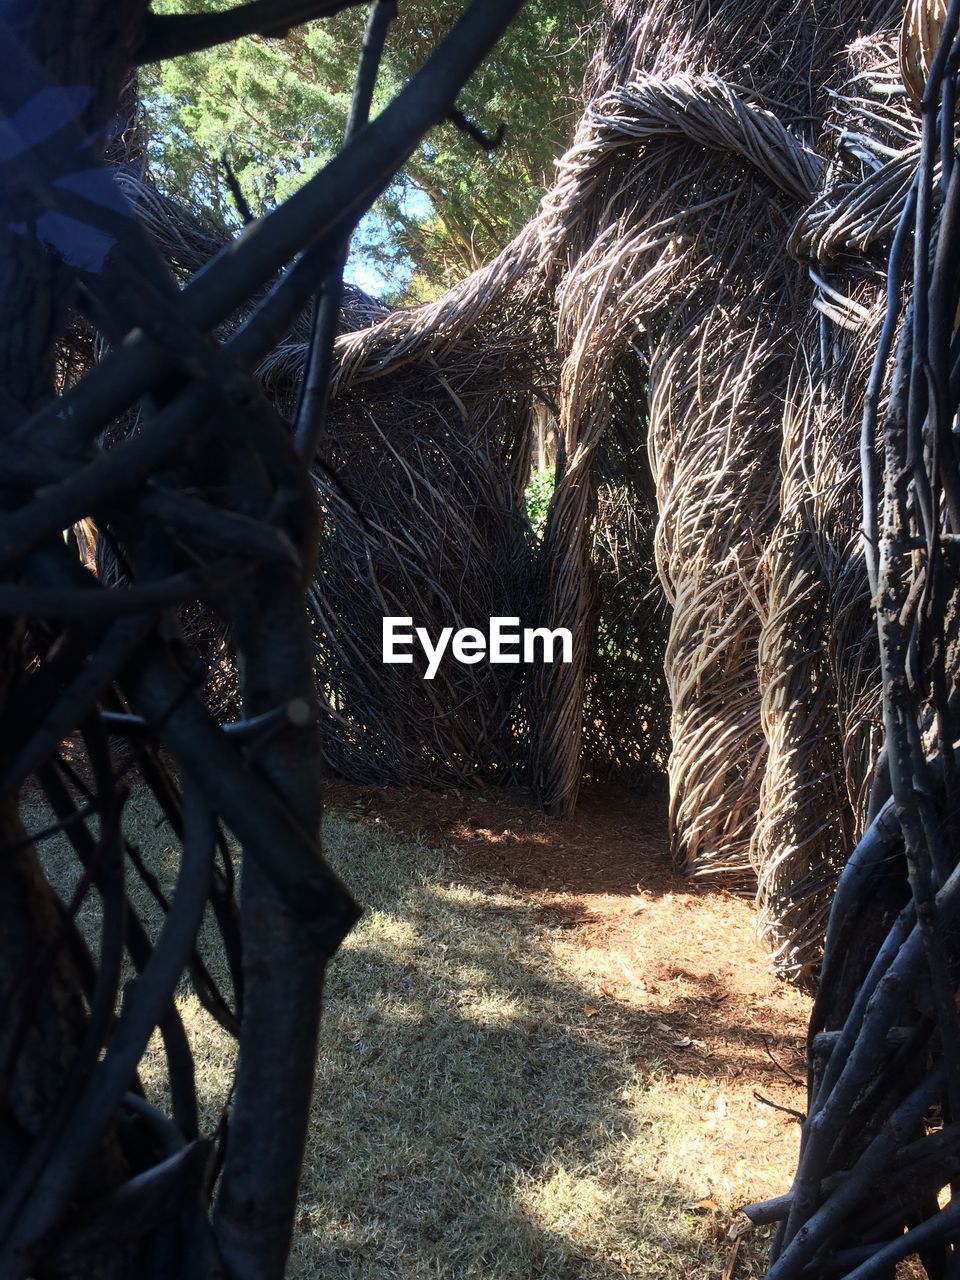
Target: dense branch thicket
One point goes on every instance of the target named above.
(193, 478)
(697, 301)
(699, 294)
(738, 299)
(880, 1154)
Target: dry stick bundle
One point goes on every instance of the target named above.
(714, 237)
(622, 263)
(421, 477)
(819, 669)
(881, 1142)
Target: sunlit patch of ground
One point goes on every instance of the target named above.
(516, 1082)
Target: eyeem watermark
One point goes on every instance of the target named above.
(505, 643)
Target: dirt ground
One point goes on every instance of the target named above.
(722, 1037)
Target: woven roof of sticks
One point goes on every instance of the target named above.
(697, 301)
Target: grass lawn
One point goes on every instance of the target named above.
(502, 1095)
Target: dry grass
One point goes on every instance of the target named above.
(498, 1094)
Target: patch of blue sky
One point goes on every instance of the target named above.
(375, 264)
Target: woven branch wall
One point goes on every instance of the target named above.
(421, 473)
(698, 299)
(705, 277)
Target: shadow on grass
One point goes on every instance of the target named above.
(476, 1114)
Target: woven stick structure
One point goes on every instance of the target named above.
(696, 302)
(697, 299)
(876, 1181)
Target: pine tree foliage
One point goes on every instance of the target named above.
(276, 108)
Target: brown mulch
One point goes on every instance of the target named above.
(615, 843)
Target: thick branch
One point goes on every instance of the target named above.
(170, 35)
